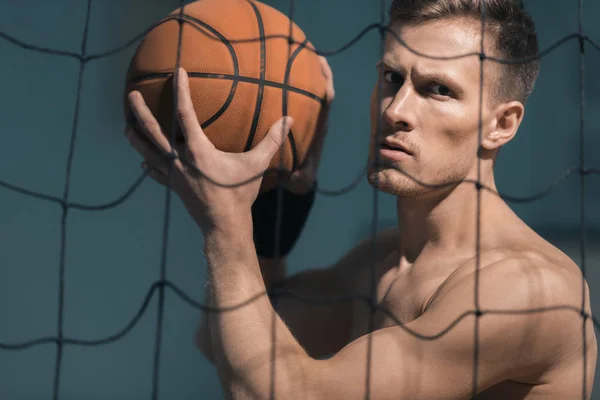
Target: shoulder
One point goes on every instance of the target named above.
(526, 275)
(528, 293)
(521, 309)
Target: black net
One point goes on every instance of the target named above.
(161, 284)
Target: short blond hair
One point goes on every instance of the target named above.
(511, 28)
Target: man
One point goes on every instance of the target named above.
(447, 321)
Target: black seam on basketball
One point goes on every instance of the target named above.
(236, 70)
(261, 86)
(286, 76)
(226, 42)
(223, 108)
(284, 105)
(236, 78)
(247, 79)
(294, 150)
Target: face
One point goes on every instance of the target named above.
(427, 110)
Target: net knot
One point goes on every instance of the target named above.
(582, 39)
(160, 284)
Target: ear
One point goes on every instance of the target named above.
(504, 125)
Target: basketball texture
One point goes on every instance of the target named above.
(244, 75)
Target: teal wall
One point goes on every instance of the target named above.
(113, 256)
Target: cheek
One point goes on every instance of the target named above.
(459, 126)
(453, 137)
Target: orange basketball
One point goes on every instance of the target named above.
(244, 75)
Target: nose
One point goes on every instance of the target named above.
(401, 112)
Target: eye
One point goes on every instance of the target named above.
(441, 90)
(392, 77)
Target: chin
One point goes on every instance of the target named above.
(391, 181)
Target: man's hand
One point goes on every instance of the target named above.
(302, 180)
(216, 187)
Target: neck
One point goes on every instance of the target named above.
(445, 221)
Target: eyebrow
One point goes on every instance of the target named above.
(437, 76)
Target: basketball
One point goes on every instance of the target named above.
(244, 75)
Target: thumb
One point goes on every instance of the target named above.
(273, 140)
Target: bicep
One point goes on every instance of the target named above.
(310, 304)
(437, 355)
(400, 362)
(319, 306)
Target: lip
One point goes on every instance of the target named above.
(395, 145)
(396, 155)
(394, 150)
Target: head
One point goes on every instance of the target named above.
(431, 107)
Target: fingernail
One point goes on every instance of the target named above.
(289, 121)
(179, 72)
(132, 96)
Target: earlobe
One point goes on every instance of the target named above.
(508, 117)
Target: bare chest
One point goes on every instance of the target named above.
(399, 299)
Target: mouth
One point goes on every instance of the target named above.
(385, 146)
(393, 147)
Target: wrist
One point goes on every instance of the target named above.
(230, 257)
(230, 231)
(229, 221)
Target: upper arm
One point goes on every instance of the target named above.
(433, 357)
(323, 327)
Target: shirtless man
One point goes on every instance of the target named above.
(425, 273)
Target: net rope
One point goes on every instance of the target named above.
(158, 287)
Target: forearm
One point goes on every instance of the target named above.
(272, 271)
(247, 330)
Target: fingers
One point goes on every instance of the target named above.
(149, 125)
(194, 135)
(155, 174)
(328, 74)
(273, 140)
(299, 182)
(149, 152)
